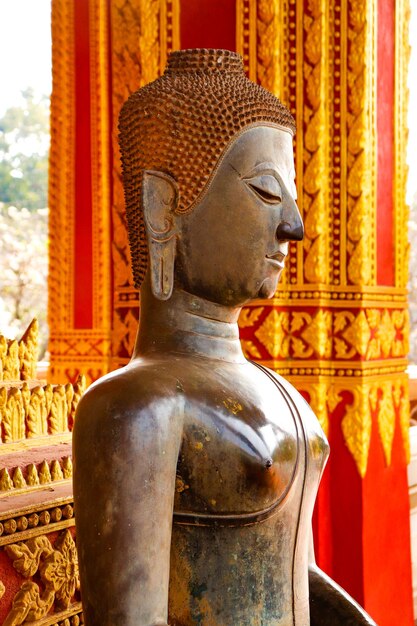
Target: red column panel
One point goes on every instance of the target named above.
(385, 145)
(83, 261)
(208, 24)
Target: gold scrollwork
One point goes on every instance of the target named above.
(316, 143)
(361, 150)
(325, 334)
(58, 570)
(273, 334)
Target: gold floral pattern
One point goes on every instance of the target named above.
(58, 569)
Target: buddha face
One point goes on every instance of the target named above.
(232, 247)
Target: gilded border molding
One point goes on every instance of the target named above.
(402, 56)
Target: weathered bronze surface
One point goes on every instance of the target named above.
(212, 463)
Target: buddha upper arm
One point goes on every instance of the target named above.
(125, 456)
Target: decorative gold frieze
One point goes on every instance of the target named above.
(35, 520)
(32, 475)
(30, 412)
(328, 334)
(376, 406)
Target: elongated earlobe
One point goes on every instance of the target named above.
(160, 198)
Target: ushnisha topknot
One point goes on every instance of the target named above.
(181, 124)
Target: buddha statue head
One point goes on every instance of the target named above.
(208, 175)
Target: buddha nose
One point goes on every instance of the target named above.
(291, 226)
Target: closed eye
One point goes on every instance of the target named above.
(266, 187)
(265, 195)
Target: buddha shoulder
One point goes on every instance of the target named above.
(145, 392)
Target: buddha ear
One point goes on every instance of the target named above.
(159, 201)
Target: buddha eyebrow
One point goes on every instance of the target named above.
(263, 168)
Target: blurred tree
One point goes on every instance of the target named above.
(24, 147)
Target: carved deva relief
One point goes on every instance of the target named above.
(56, 567)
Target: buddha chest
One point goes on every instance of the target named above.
(247, 475)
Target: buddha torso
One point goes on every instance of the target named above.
(250, 446)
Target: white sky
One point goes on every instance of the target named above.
(25, 49)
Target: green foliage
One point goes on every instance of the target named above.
(24, 143)
(24, 147)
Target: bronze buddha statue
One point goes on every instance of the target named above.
(195, 470)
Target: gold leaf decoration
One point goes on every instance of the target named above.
(386, 421)
(318, 334)
(249, 316)
(357, 427)
(273, 333)
(6, 482)
(18, 479)
(249, 349)
(318, 394)
(358, 333)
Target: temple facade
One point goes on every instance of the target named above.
(338, 325)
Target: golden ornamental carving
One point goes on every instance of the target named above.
(62, 171)
(318, 402)
(402, 405)
(100, 132)
(2, 589)
(33, 474)
(386, 420)
(29, 412)
(269, 45)
(143, 32)
(361, 151)
(318, 333)
(249, 349)
(371, 334)
(273, 334)
(316, 143)
(249, 316)
(260, 42)
(57, 566)
(400, 208)
(357, 427)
